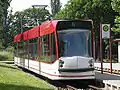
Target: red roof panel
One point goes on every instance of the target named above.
(34, 32)
(18, 38)
(48, 27)
(15, 38)
(25, 35)
(45, 28)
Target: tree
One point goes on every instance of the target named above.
(116, 5)
(24, 20)
(4, 4)
(55, 6)
(100, 11)
(116, 27)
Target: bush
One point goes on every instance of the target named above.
(10, 49)
(7, 55)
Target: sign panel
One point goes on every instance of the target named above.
(105, 30)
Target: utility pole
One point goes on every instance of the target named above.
(21, 24)
(38, 6)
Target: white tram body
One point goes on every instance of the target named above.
(74, 57)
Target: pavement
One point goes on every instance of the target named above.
(106, 76)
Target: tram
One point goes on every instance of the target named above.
(58, 50)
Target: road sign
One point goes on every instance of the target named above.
(105, 30)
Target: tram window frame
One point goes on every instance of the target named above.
(53, 48)
(90, 44)
(33, 49)
(25, 49)
(48, 52)
(20, 51)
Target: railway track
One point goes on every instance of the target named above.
(79, 86)
(63, 85)
(90, 87)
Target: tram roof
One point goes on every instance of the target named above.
(34, 32)
(50, 27)
(25, 35)
(18, 38)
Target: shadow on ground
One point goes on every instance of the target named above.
(19, 87)
(7, 66)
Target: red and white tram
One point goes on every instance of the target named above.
(58, 49)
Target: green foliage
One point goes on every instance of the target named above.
(1, 46)
(27, 19)
(116, 27)
(100, 11)
(55, 6)
(6, 56)
(4, 4)
(12, 78)
(3, 9)
(10, 49)
(116, 5)
(31, 15)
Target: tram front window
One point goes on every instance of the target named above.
(74, 43)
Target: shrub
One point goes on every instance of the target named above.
(6, 55)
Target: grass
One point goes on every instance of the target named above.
(12, 78)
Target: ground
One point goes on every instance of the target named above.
(12, 78)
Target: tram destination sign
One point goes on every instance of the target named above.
(105, 30)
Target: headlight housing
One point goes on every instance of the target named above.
(91, 63)
(61, 62)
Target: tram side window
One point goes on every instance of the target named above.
(21, 49)
(25, 49)
(45, 49)
(53, 47)
(48, 48)
(33, 49)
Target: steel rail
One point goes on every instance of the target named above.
(94, 87)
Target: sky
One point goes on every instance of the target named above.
(19, 5)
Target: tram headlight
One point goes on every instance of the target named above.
(91, 63)
(61, 62)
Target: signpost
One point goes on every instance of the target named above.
(105, 34)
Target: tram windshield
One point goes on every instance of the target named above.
(74, 42)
